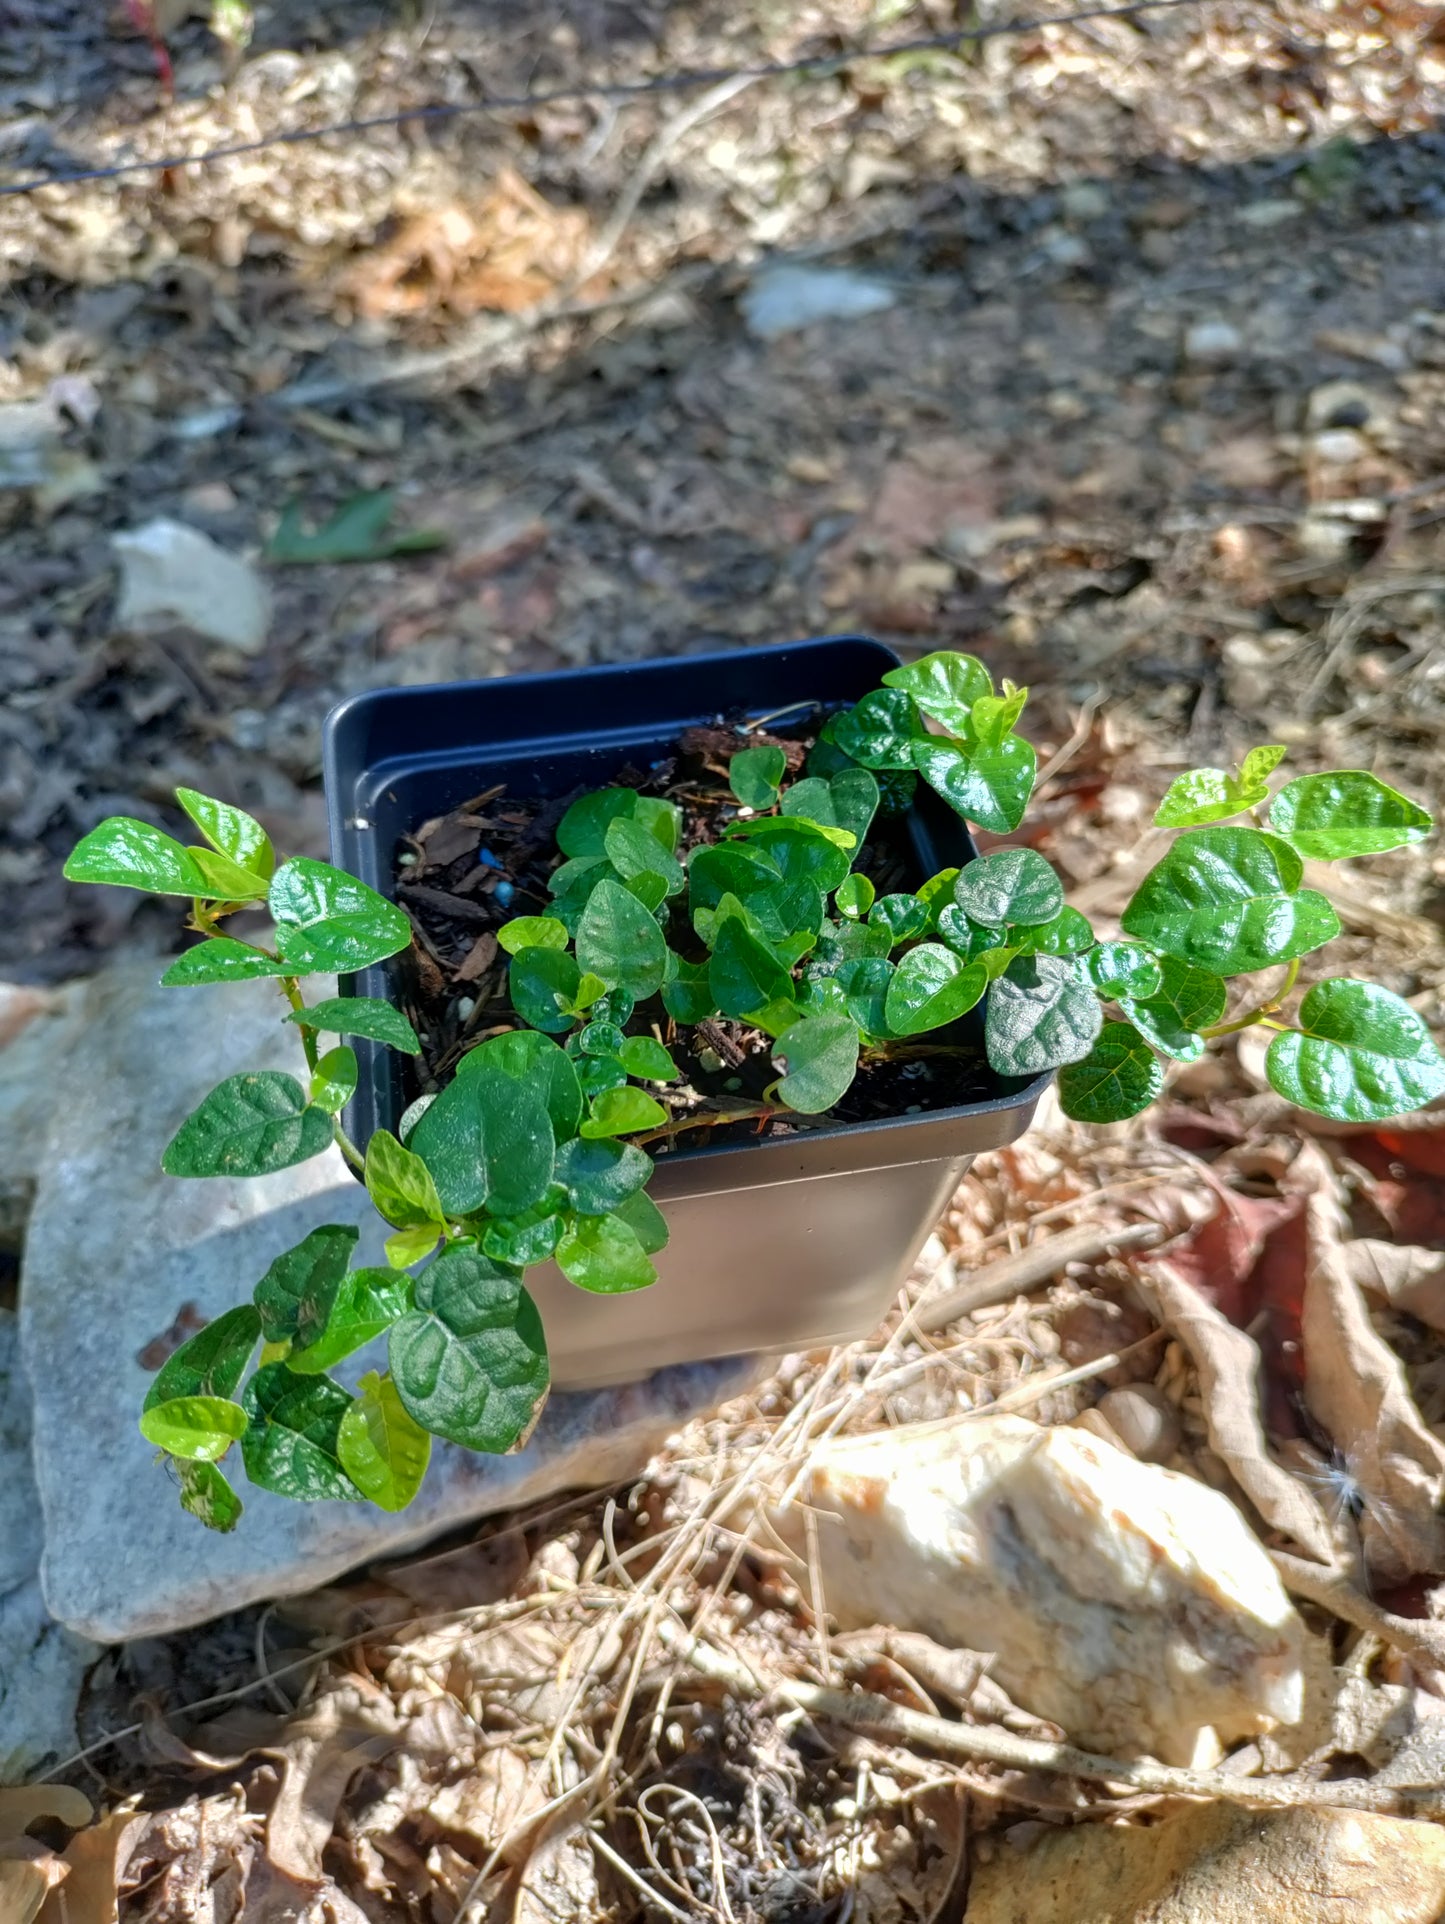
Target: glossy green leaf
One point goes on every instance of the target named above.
(303, 1281)
(583, 829)
(852, 942)
(903, 916)
(212, 1362)
(729, 868)
(230, 831)
(755, 775)
(470, 1362)
(591, 989)
(530, 1237)
(634, 851)
(644, 1057)
(400, 1184)
(990, 786)
(1209, 795)
(1330, 817)
(1042, 1013)
(249, 1125)
(1069, 933)
(931, 986)
(820, 994)
(880, 730)
(619, 1112)
(775, 832)
(744, 973)
(602, 1254)
(382, 1450)
(202, 1428)
(1360, 1054)
(865, 984)
(662, 819)
(805, 851)
(333, 1081)
(774, 1017)
(618, 940)
(1260, 763)
(945, 685)
(991, 719)
(817, 1058)
(1120, 969)
(220, 959)
(327, 920)
(1013, 885)
(208, 1497)
(965, 936)
(601, 1175)
(601, 1039)
(596, 1074)
(488, 1140)
(687, 992)
(364, 1304)
(646, 1221)
(1187, 1000)
(409, 1246)
(538, 1060)
(854, 897)
(1117, 1078)
(848, 800)
(1228, 900)
(542, 984)
(365, 1015)
(290, 1445)
(936, 894)
(532, 932)
(572, 887)
(133, 855)
(226, 880)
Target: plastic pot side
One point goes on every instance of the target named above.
(785, 1243)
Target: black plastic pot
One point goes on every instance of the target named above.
(776, 1244)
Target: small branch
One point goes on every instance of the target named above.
(347, 1147)
(1422, 1641)
(1016, 1275)
(1263, 1011)
(707, 1119)
(291, 989)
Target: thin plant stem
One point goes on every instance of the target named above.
(1262, 1011)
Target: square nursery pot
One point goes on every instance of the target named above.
(778, 1244)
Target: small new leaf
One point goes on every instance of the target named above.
(230, 831)
(382, 1450)
(620, 1112)
(202, 1428)
(644, 1057)
(249, 1125)
(755, 774)
(400, 1184)
(133, 855)
(532, 932)
(333, 1082)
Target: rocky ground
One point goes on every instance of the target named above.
(1147, 410)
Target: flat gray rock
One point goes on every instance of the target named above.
(42, 1670)
(19, 1500)
(117, 1250)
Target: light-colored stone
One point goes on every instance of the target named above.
(1143, 1419)
(1216, 1864)
(1212, 341)
(37, 1028)
(170, 573)
(19, 1501)
(780, 300)
(1126, 1603)
(42, 1669)
(116, 1250)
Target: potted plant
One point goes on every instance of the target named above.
(701, 965)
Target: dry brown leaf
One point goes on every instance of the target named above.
(26, 1881)
(24, 1806)
(1412, 1280)
(489, 1803)
(97, 1860)
(322, 1753)
(559, 1883)
(1228, 1363)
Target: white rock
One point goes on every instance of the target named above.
(19, 1501)
(172, 573)
(782, 299)
(37, 1027)
(1126, 1603)
(1212, 341)
(42, 1670)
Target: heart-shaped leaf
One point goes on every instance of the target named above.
(854, 896)
(1013, 885)
(290, 1445)
(745, 973)
(201, 1428)
(644, 1057)
(1229, 900)
(849, 800)
(532, 932)
(880, 730)
(470, 1362)
(645, 1220)
(945, 685)
(249, 1125)
(662, 819)
(304, 1278)
(936, 893)
(965, 936)
(543, 985)
(1187, 1000)
(1123, 969)
(382, 1450)
(230, 831)
(1042, 1013)
(364, 1304)
(1213, 794)
(583, 829)
(400, 1184)
(538, 1060)
(530, 1237)
(618, 1112)
(212, 1362)
(990, 786)
(1117, 1078)
(904, 916)
(865, 984)
(991, 719)
(602, 1254)
(365, 1015)
(755, 774)
(1069, 933)
(409, 1246)
(601, 1175)
(333, 1081)
(488, 1141)
(208, 1497)
(1360, 1054)
(687, 992)
(618, 940)
(932, 986)
(818, 1059)
(221, 959)
(1328, 817)
(635, 851)
(133, 855)
(327, 920)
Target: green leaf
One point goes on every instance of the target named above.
(687, 992)
(220, 959)
(1068, 934)
(601, 1039)
(381, 1449)
(729, 868)
(936, 894)
(304, 1279)
(852, 942)
(532, 932)
(802, 850)
(849, 800)
(662, 819)
(488, 1140)
(990, 786)
(231, 831)
(333, 1082)
(530, 1237)
(1187, 1000)
(400, 1184)
(745, 974)
(1119, 969)
(543, 983)
(198, 1427)
(364, 1015)
(470, 1363)
(774, 1017)
(601, 1175)
(904, 916)
(365, 1303)
(1329, 817)
(618, 1112)
(357, 531)
(1013, 885)
(225, 879)
(408, 1246)
(596, 1074)
(754, 775)
(1260, 763)
(583, 829)
(634, 851)
(818, 1058)
(932, 986)
(249, 1125)
(1209, 795)
(854, 897)
(646, 1221)
(880, 730)
(1042, 1013)
(965, 936)
(618, 940)
(1360, 1054)
(133, 855)
(539, 1061)
(992, 717)
(1117, 1078)
(945, 685)
(644, 1057)
(328, 921)
(865, 984)
(290, 1445)
(1228, 900)
(602, 1254)
(590, 989)
(207, 1495)
(210, 1363)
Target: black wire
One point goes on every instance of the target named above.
(820, 64)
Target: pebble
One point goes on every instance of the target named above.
(1143, 1419)
(1212, 340)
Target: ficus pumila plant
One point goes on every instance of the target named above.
(534, 1151)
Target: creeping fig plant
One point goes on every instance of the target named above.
(535, 1150)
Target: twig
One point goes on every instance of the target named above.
(1422, 1641)
(1040, 1263)
(981, 1743)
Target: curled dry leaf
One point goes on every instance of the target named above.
(27, 1880)
(322, 1753)
(96, 1860)
(559, 1882)
(22, 1807)
(1412, 1280)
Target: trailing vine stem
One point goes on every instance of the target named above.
(1260, 1014)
